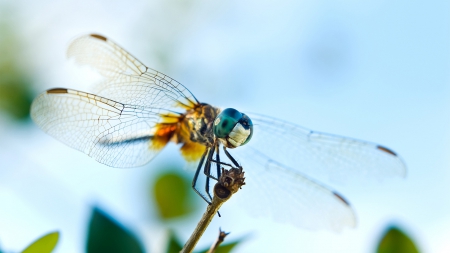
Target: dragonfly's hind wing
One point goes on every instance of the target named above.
(127, 79)
(113, 133)
(290, 197)
(321, 154)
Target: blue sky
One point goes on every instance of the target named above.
(372, 70)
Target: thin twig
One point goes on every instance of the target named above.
(229, 183)
(219, 240)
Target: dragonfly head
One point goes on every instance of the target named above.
(233, 128)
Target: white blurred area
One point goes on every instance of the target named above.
(372, 70)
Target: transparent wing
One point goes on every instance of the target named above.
(128, 80)
(117, 125)
(113, 133)
(319, 154)
(291, 197)
(280, 155)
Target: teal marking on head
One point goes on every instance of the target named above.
(227, 120)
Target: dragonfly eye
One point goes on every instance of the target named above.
(233, 128)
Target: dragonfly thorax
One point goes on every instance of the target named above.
(233, 128)
(199, 123)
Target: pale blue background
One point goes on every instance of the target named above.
(373, 70)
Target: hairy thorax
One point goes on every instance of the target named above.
(197, 125)
(193, 130)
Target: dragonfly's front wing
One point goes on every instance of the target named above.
(127, 79)
(322, 155)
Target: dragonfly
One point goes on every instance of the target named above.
(135, 111)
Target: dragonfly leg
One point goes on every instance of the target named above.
(218, 161)
(231, 157)
(207, 171)
(207, 168)
(194, 181)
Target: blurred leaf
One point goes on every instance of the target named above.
(107, 235)
(15, 86)
(173, 195)
(174, 245)
(396, 241)
(15, 96)
(224, 248)
(45, 244)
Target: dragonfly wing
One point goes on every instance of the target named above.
(287, 196)
(109, 59)
(113, 133)
(126, 78)
(322, 155)
(280, 155)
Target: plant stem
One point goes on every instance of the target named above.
(219, 240)
(229, 183)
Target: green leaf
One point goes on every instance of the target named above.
(107, 235)
(227, 247)
(173, 195)
(174, 245)
(15, 84)
(224, 248)
(45, 244)
(396, 241)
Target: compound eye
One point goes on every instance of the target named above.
(225, 122)
(247, 123)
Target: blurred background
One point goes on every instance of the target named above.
(372, 70)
